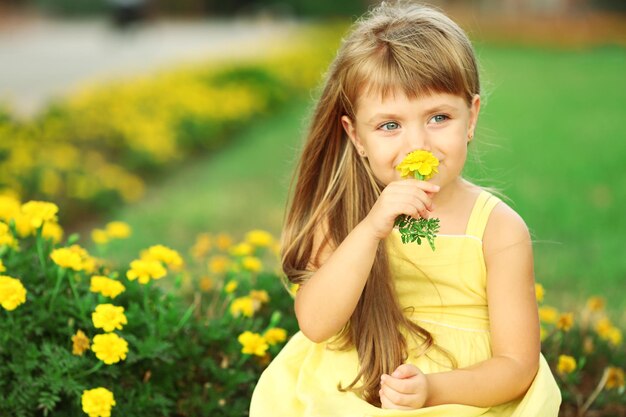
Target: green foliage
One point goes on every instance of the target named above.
(184, 357)
(414, 230)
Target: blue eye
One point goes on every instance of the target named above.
(389, 126)
(440, 118)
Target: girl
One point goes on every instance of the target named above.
(387, 326)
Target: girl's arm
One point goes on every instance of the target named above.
(326, 301)
(514, 329)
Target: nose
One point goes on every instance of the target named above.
(417, 138)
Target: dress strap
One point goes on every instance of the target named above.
(480, 214)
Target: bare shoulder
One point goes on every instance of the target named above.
(505, 229)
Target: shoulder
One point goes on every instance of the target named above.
(505, 229)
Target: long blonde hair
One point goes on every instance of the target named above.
(395, 47)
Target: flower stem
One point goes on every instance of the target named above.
(595, 393)
(79, 302)
(92, 370)
(39, 240)
(57, 285)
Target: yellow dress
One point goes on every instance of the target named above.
(447, 291)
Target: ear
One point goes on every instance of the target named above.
(350, 127)
(473, 119)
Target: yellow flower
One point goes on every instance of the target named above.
(2, 267)
(52, 231)
(109, 317)
(99, 236)
(161, 253)
(259, 238)
(565, 322)
(12, 292)
(252, 264)
(595, 303)
(9, 207)
(219, 264)
(6, 237)
(80, 343)
(97, 402)
(242, 249)
(420, 161)
(242, 305)
(603, 327)
(39, 212)
(231, 287)
(293, 289)
(145, 269)
(223, 241)
(118, 230)
(106, 286)
(202, 246)
(253, 343)
(548, 314)
(615, 337)
(275, 335)
(206, 284)
(261, 296)
(542, 333)
(109, 348)
(74, 257)
(66, 258)
(539, 292)
(615, 378)
(567, 364)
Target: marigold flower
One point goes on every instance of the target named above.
(109, 348)
(9, 207)
(293, 289)
(566, 365)
(595, 303)
(219, 264)
(66, 258)
(202, 246)
(565, 321)
(231, 287)
(253, 343)
(242, 249)
(223, 241)
(539, 292)
(39, 212)
(548, 314)
(614, 337)
(99, 236)
(12, 292)
(161, 253)
(80, 343)
(262, 296)
(603, 327)
(542, 333)
(206, 284)
(118, 230)
(109, 317)
(615, 378)
(98, 402)
(275, 335)
(52, 231)
(259, 238)
(106, 286)
(420, 161)
(242, 305)
(145, 269)
(6, 237)
(252, 264)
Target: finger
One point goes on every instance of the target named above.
(406, 370)
(386, 402)
(394, 399)
(401, 385)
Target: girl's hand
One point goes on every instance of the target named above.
(405, 389)
(411, 197)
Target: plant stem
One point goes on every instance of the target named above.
(57, 285)
(79, 302)
(39, 241)
(595, 393)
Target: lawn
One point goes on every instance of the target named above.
(551, 137)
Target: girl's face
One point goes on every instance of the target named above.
(387, 129)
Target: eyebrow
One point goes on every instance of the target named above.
(435, 109)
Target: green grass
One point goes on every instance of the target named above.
(551, 137)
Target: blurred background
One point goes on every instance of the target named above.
(186, 117)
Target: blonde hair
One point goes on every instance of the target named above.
(395, 47)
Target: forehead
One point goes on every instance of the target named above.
(372, 101)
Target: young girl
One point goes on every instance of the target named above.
(393, 329)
